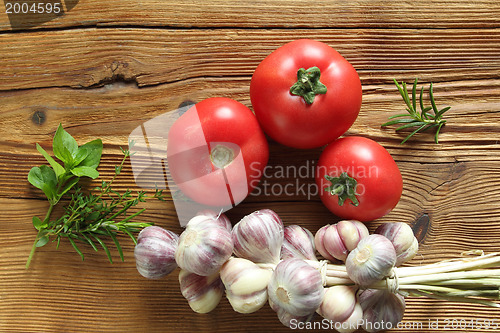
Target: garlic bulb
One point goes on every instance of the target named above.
(352, 323)
(204, 246)
(402, 237)
(203, 293)
(372, 260)
(155, 252)
(296, 287)
(382, 309)
(338, 303)
(258, 237)
(287, 319)
(246, 284)
(298, 243)
(341, 238)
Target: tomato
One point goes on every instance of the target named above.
(216, 152)
(358, 179)
(311, 114)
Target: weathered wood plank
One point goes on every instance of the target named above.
(90, 57)
(263, 13)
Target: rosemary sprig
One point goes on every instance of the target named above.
(422, 120)
(89, 217)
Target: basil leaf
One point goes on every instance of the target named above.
(42, 241)
(65, 146)
(37, 223)
(58, 168)
(68, 186)
(81, 154)
(44, 178)
(93, 158)
(85, 171)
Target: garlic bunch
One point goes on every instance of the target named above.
(336, 241)
(246, 284)
(155, 252)
(204, 246)
(404, 241)
(382, 309)
(203, 293)
(372, 260)
(298, 243)
(341, 307)
(296, 287)
(258, 237)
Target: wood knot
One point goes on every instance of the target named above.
(421, 227)
(39, 117)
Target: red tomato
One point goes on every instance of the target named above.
(365, 180)
(290, 119)
(216, 152)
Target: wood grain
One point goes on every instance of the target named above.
(103, 73)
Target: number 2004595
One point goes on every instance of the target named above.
(33, 8)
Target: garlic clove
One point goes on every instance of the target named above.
(203, 293)
(243, 277)
(204, 246)
(372, 260)
(381, 309)
(247, 303)
(296, 287)
(339, 239)
(403, 239)
(352, 323)
(287, 319)
(259, 236)
(338, 303)
(298, 243)
(319, 243)
(155, 252)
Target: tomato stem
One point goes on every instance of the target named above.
(221, 156)
(344, 187)
(308, 84)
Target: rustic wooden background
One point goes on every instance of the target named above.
(102, 68)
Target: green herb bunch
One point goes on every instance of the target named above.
(89, 217)
(420, 120)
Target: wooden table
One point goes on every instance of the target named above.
(103, 68)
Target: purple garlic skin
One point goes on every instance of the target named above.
(298, 243)
(155, 252)
(402, 237)
(203, 293)
(287, 319)
(220, 218)
(204, 246)
(319, 243)
(382, 309)
(341, 238)
(258, 237)
(296, 287)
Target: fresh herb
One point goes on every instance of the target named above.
(422, 120)
(89, 216)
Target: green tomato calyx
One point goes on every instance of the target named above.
(344, 187)
(308, 84)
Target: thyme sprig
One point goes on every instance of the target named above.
(423, 119)
(90, 217)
